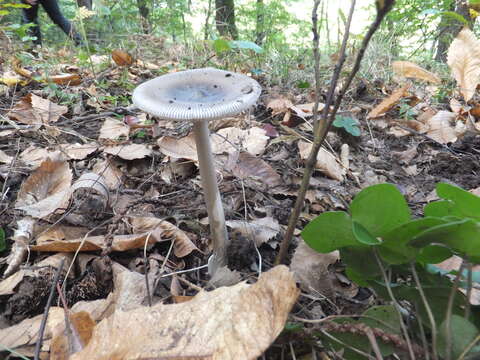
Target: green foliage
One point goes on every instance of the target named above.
(378, 231)
(222, 45)
(348, 123)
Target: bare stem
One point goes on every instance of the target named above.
(322, 125)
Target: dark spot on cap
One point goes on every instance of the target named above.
(189, 108)
(170, 101)
(215, 86)
(228, 75)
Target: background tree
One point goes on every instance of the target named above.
(225, 18)
(450, 25)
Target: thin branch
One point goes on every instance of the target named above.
(323, 125)
(43, 324)
(448, 316)
(428, 309)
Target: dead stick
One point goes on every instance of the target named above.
(323, 125)
(43, 324)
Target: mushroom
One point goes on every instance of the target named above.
(201, 95)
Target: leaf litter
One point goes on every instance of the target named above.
(140, 220)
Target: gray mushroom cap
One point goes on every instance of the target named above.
(199, 94)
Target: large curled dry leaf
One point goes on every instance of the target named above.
(228, 140)
(46, 189)
(113, 129)
(411, 70)
(34, 110)
(326, 162)
(259, 230)
(244, 165)
(441, 128)
(464, 61)
(389, 102)
(129, 152)
(229, 323)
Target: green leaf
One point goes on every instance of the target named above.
(303, 85)
(248, 45)
(221, 45)
(361, 260)
(4, 12)
(395, 248)
(363, 236)
(329, 231)
(441, 208)
(461, 334)
(350, 124)
(434, 254)
(465, 202)
(462, 236)
(380, 208)
(356, 277)
(454, 16)
(384, 317)
(3, 244)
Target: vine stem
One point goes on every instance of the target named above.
(395, 304)
(428, 309)
(323, 124)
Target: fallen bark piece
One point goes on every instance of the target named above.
(237, 322)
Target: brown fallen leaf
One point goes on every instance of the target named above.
(228, 140)
(77, 151)
(441, 128)
(389, 102)
(129, 152)
(122, 58)
(411, 70)
(326, 162)
(311, 269)
(244, 165)
(66, 79)
(113, 129)
(279, 105)
(464, 61)
(110, 171)
(34, 110)
(162, 230)
(183, 148)
(45, 190)
(260, 230)
(229, 323)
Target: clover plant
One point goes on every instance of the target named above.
(378, 231)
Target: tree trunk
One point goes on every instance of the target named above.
(144, 12)
(260, 26)
(225, 18)
(85, 3)
(449, 28)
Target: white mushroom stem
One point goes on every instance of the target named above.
(216, 216)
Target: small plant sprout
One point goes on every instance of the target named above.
(199, 96)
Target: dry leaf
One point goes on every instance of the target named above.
(4, 158)
(244, 165)
(389, 102)
(183, 148)
(441, 128)
(110, 172)
(66, 79)
(310, 269)
(114, 129)
(223, 276)
(34, 110)
(464, 61)
(46, 189)
(34, 156)
(77, 151)
(129, 152)
(21, 238)
(411, 70)
(279, 105)
(122, 58)
(326, 162)
(229, 323)
(228, 140)
(162, 230)
(259, 230)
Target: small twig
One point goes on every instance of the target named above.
(323, 125)
(448, 316)
(469, 347)
(43, 324)
(374, 343)
(189, 283)
(433, 325)
(331, 337)
(396, 305)
(468, 307)
(147, 268)
(185, 271)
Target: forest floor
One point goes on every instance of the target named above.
(52, 135)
